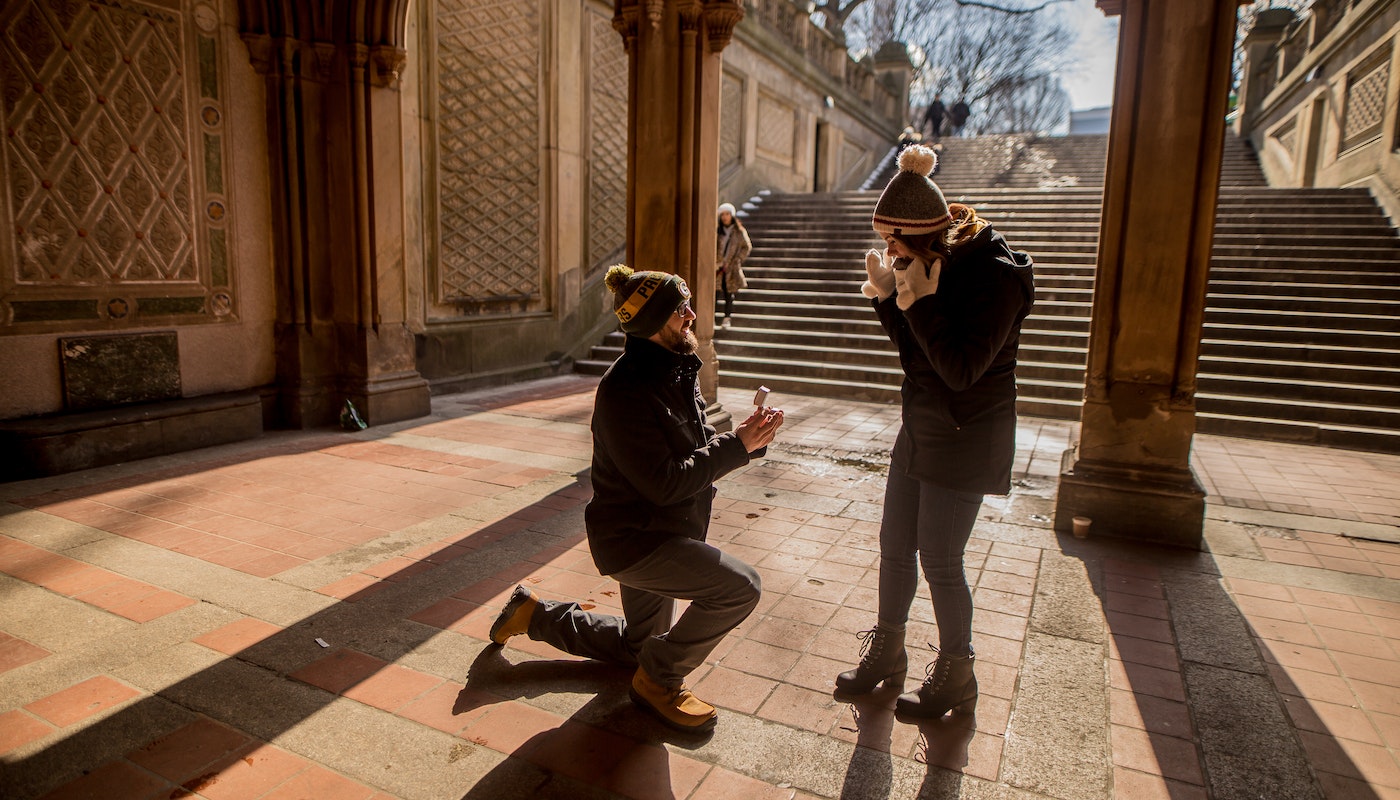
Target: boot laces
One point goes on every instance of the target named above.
(936, 672)
(872, 644)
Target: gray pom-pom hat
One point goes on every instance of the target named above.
(912, 204)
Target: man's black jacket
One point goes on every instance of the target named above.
(655, 456)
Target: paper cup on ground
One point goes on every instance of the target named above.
(1081, 527)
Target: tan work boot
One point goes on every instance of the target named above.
(515, 617)
(678, 708)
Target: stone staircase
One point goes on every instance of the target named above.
(1302, 328)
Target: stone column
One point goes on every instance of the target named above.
(1260, 69)
(675, 66)
(335, 124)
(1130, 471)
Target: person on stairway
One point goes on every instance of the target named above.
(951, 295)
(957, 116)
(655, 461)
(733, 245)
(933, 117)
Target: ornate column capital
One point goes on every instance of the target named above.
(721, 16)
(626, 21)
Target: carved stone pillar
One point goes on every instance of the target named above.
(1130, 472)
(334, 121)
(675, 67)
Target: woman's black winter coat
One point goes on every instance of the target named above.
(958, 349)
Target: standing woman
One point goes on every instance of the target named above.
(733, 246)
(951, 295)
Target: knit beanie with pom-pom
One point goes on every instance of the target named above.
(644, 301)
(912, 204)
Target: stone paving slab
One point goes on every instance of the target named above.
(305, 615)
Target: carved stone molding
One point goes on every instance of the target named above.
(627, 22)
(721, 16)
(389, 62)
(656, 9)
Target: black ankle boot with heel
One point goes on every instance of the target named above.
(949, 686)
(882, 659)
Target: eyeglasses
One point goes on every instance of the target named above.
(683, 309)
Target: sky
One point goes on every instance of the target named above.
(1090, 81)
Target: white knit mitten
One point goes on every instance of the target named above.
(918, 281)
(880, 283)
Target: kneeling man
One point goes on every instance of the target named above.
(655, 461)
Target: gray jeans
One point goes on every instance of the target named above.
(722, 591)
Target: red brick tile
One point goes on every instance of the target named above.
(737, 691)
(1142, 679)
(994, 623)
(1341, 721)
(1272, 609)
(353, 587)
(1008, 566)
(820, 590)
(450, 707)
(990, 649)
(785, 633)
(444, 613)
(339, 670)
(18, 729)
(1143, 651)
(265, 566)
(1114, 566)
(1366, 668)
(120, 592)
(238, 635)
(640, 776)
(1274, 630)
(1353, 621)
(16, 652)
(1296, 656)
(82, 700)
(1156, 630)
(1389, 726)
(398, 568)
(817, 673)
(1268, 591)
(1313, 597)
(757, 658)
(200, 747)
(78, 578)
(1136, 604)
(1380, 608)
(1351, 759)
(253, 774)
(1312, 685)
(801, 708)
(721, 784)
(1141, 786)
(1006, 582)
(153, 606)
(1005, 602)
(1153, 714)
(508, 725)
(392, 687)
(118, 780)
(1155, 754)
(318, 782)
(803, 610)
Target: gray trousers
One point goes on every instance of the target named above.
(722, 591)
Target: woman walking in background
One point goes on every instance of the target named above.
(951, 295)
(732, 246)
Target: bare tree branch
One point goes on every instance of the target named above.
(1005, 10)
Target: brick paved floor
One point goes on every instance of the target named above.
(305, 615)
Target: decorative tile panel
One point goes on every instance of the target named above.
(488, 99)
(1365, 100)
(777, 130)
(101, 184)
(855, 162)
(607, 146)
(731, 120)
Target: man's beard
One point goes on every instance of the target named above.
(683, 342)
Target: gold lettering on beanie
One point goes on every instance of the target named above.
(638, 298)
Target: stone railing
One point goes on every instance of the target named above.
(791, 22)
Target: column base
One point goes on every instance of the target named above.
(393, 399)
(1138, 504)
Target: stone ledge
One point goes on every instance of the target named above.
(50, 445)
